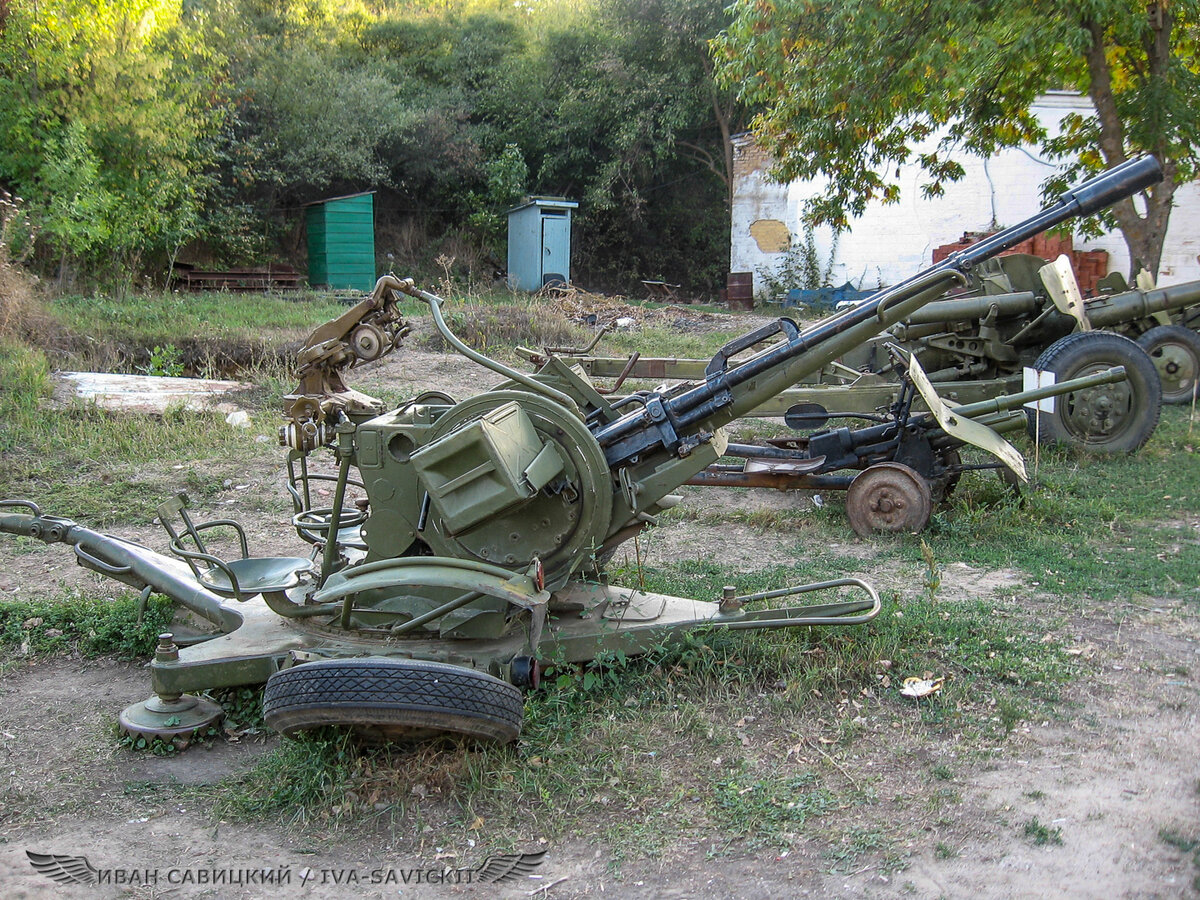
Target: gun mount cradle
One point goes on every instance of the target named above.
(478, 549)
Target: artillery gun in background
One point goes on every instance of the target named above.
(1020, 305)
(1018, 312)
(1014, 313)
(478, 548)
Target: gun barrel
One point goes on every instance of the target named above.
(968, 308)
(1014, 401)
(1129, 306)
(776, 368)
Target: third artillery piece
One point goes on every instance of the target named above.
(1010, 312)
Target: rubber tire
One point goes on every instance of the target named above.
(384, 700)
(1086, 352)
(1182, 340)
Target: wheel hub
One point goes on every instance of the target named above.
(888, 497)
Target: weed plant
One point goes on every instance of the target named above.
(84, 623)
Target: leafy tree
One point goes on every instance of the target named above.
(633, 133)
(106, 109)
(850, 88)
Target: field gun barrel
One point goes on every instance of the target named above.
(1116, 309)
(962, 309)
(1006, 402)
(728, 393)
(1102, 312)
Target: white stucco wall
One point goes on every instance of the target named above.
(891, 242)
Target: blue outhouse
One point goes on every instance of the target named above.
(539, 242)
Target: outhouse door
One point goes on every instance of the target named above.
(556, 245)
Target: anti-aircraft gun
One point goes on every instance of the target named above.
(479, 547)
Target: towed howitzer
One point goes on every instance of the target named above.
(477, 550)
(993, 335)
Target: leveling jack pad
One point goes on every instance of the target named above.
(157, 717)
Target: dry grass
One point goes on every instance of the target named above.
(20, 313)
(488, 327)
(582, 306)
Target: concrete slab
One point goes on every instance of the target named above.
(148, 393)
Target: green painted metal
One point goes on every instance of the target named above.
(341, 242)
(489, 520)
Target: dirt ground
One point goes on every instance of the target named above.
(1117, 771)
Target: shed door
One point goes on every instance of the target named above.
(556, 246)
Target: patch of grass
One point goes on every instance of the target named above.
(854, 842)
(1098, 527)
(103, 467)
(659, 341)
(944, 797)
(498, 329)
(308, 778)
(995, 660)
(1184, 845)
(90, 625)
(945, 851)
(163, 317)
(1040, 834)
(759, 809)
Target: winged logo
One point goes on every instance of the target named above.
(509, 865)
(64, 869)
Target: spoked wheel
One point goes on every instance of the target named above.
(1109, 418)
(393, 700)
(1175, 351)
(888, 496)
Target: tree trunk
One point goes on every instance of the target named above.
(1143, 234)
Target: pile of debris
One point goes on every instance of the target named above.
(599, 310)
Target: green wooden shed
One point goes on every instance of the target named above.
(341, 241)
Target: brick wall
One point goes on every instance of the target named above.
(1089, 265)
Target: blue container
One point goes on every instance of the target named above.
(825, 298)
(539, 243)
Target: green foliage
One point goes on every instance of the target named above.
(242, 706)
(134, 136)
(107, 108)
(760, 808)
(1040, 834)
(799, 267)
(850, 90)
(92, 463)
(164, 360)
(506, 176)
(88, 624)
(310, 776)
